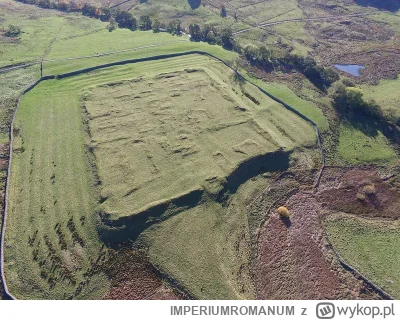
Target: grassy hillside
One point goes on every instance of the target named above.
(365, 145)
(53, 200)
(40, 28)
(386, 95)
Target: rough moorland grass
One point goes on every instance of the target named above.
(207, 248)
(370, 246)
(40, 28)
(161, 136)
(364, 147)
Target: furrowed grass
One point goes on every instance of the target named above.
(51, 237)
(371, 246)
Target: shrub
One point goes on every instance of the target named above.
(284, 212)
(113, 25)
(360, 196)
(13, 31)
(369, 190)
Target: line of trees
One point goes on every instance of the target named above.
(116, 17)
(320, 76)
(349, 101)
(212, 35)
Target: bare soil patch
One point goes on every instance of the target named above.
(134, 278)
(345, 191)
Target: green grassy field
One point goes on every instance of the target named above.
(207, 248)
(367, 146)
(386, 95)
(371, 246)
(40, 28)
(51, 228)
(163, 146)
(147, 44)
(51, 236)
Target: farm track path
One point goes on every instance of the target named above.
(330, 18)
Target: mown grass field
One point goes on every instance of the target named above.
(144, 44)
(51, 236)
(371, 246)
(51, 240)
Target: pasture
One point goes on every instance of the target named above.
(40, 28)
(371, 246)
(364, 144)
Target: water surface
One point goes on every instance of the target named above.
(353, 69)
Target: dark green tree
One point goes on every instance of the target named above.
(223, 12)
(194, 4)
(125, 20)
(145, 23)
(89, 10)
(178, 28)
(105, 14)
(44, 4)
(195, 32)
(226, 38)
(156, 26)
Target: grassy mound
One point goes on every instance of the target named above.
(162, 136)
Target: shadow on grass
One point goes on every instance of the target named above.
(275, 161)
(372, 126)
(390, 5)
(125, 230)
(194, 4)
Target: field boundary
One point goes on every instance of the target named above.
(117, 63)
(351, 269)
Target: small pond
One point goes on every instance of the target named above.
(353, 69)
